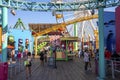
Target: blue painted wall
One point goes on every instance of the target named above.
(22, 34)
(109, 30)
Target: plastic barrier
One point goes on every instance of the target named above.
(4, 71)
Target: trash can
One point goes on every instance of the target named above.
(4, 71)
(51, 61)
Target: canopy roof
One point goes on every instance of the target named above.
(39, 27)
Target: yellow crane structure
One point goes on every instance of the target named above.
(64, 24)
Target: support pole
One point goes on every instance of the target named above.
(75, 35)
(66, 42)
(35, 46)
(101, 45)
(4, 33)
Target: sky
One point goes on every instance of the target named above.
(32, 17)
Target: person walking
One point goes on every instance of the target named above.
(86, 59)
(90, 56)
(96, 61)
(41, 54)
(28, 64)
(79, 53)
(45, 55)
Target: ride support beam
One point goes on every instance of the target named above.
(35, 38)
(58, 6)
(4, 33)
(101, 45)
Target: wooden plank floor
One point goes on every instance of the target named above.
(66, 70)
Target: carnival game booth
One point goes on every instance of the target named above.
(20, 40)
(69, 46)
(65, 47)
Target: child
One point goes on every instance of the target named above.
(28, 64)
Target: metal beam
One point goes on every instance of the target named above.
(63, 6)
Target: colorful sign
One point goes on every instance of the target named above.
(40, 46)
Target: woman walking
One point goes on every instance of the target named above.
(42, 57)
(86, 59)
(28, 65)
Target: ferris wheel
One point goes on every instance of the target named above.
(85, 28)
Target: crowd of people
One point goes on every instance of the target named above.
(87, 55)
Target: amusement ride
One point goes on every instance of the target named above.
(84, 21)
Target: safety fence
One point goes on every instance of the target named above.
(15, 67)
(114, 65)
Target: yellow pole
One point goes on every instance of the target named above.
(96, 38)
(0, 38)
(89, 41)
(35, 46)
(82, 42)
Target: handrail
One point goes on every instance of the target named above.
(114, 66)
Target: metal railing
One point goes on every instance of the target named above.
(14, 68)
(114, 64)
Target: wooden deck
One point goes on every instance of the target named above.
(66, 70)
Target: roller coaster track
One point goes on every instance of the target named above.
(62, 25)
(62, 6)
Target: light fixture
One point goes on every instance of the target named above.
(53, 13)
(13, 12)
(92, 12)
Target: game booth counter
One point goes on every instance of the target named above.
(65, 50)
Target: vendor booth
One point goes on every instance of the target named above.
(64, 47)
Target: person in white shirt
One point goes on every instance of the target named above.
(86, 59)
(79, 53)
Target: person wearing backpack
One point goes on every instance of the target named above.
(28, 64)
